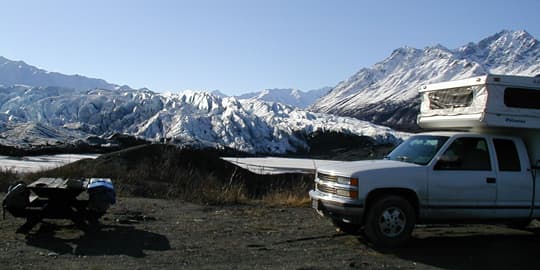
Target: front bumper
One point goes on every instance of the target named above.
(350, 211)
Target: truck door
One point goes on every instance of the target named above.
(514, 181)
(462, 182)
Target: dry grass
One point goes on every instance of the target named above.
(200, 176)
(286, 198)
(294, 196)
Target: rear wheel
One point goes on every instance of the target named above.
(390, 221)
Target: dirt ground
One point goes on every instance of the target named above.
(141, 233)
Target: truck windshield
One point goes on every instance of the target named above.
(418, 149)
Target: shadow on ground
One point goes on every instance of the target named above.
(515, 250)
(109, 240)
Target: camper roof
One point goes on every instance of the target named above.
(519, 81)
(482, 101)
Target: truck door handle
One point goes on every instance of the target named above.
(490, 180)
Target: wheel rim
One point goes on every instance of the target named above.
(392, 222)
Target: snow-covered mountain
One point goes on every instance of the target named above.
(18, 72)
(387, 93)
(292, 97)
(31, 134)
(201, 118)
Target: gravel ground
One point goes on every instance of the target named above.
(141, 233)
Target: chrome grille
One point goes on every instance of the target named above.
(326, 189)
(327, 177)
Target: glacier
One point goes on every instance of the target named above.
(54, 115)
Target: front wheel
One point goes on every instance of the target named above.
(390, 221)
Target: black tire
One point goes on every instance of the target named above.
(347, 228)
(389, 221)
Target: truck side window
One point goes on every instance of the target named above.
(465, 154)
(507, 155)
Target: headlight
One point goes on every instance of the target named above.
(353, 194)
(347, 181)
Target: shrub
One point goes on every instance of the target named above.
(165, 171)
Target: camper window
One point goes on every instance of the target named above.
(522, 98)
(451, 98)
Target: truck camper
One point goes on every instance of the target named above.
(477, 163)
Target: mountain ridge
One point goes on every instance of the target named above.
(288, 96)
(21, 73)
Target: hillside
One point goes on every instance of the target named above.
(168, 171)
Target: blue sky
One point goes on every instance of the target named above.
(238, 46)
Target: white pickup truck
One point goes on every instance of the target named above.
(481, 169)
